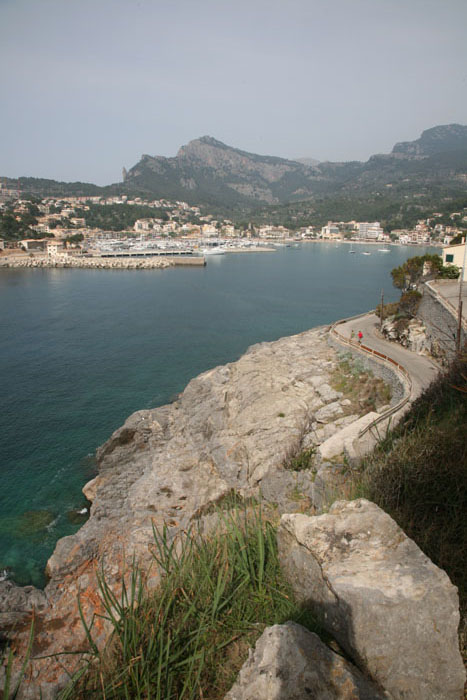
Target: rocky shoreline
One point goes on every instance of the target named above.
(234, 428)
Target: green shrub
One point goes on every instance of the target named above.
(449, 272)
(409, 303)
(303, 460)
(389, 309)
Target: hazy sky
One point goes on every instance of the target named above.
(87, 86)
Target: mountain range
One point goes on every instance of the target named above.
(209, 173)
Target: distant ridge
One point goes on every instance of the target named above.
(307, 161)
(208, 172)
(439, 139)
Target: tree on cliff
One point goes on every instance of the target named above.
(414, 269)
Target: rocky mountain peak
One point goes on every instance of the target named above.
(447, 137)
(197, 147)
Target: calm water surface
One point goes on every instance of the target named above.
(82, 349)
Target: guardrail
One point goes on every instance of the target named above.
(380, 356)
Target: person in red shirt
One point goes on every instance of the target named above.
(360, 336)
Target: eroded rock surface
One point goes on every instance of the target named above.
(393, 611)
(291, 663)
(231, 429)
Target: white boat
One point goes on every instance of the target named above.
(383, 250)
(351, 248)
(365, 252)
(213, 251)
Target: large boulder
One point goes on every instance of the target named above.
(393, 611)
(291, 663)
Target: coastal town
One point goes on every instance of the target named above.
(95, 231)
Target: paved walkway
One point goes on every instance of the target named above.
(422, 370)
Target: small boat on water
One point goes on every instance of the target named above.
(365, 252)
(351, 248)
(213, 251)
(383, 250)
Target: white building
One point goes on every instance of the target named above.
(455, 255)
(331, 230)
(209, 230)
(55, 252)
(372, 231)
(144, 225)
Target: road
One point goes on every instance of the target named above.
(422, 370)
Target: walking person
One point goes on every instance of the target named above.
(360, 337)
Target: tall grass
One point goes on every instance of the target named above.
(189, 638)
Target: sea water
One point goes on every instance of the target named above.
(82, 349)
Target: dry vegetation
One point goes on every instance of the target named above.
(365, 391)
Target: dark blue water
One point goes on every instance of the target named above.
(82, 349)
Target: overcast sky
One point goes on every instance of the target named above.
(87, 86)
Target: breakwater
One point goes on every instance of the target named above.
(102, 262)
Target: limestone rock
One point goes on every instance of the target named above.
(17, 603)
(291, 663)
(385, 602)
(334, 445)
(231, 429)
(411, 334)
(90, 488)
(328, 412)
(327, 393)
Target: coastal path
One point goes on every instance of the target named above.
(415, 371)
(421, 370)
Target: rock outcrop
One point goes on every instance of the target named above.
(411, 334)
(236, 428)
(291, 663)
(389, 607)
(231, 429)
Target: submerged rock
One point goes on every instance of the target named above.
(33, 521)
(77, 516)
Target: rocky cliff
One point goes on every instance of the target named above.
(233, 428)
(238, 427)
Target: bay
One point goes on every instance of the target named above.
(82, 349)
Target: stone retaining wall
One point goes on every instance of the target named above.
(379, 369)
(440, 324)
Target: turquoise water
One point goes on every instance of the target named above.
(82, 349)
